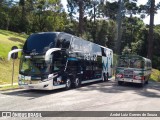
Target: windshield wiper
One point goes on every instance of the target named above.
(50, 44)
(34, 51)
(47, 47)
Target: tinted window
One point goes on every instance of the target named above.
(136, 63)
(40, 42)
(59, 61)
(103, 52)
(63, 41)
(123, 63)
(76, 44)
(96, 49)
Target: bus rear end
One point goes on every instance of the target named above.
(130, 69)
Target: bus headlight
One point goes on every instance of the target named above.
(50, 77)
(59, 78)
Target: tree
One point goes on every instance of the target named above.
(150, 37)
(23, 14)
(81, 6)
(110, 9)
(150, 9)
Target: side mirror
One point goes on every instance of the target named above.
(14, 55)
(14, 50)
(48, 54)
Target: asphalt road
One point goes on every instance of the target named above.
(98, 96)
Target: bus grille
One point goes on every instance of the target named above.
(128, 73)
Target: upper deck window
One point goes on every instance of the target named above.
(40, 42)
(63, 41)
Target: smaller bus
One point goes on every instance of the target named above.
(133, 69)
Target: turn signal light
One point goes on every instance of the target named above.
(139, 77)
(119, 75)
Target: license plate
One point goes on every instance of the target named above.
(22, 77)
(127, 79)
(22, 83)
(27, 77)
(31, 87)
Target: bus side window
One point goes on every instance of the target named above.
(59, 43)
(103, 52)
(132, 63)
(138, 64)
(143, 64)
(63, 41)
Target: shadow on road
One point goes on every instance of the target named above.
(32, 94)
(150, 90)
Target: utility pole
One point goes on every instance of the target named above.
(119, 34)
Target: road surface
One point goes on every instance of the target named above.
(98, 96)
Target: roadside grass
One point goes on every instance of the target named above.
(6, 72)
(9, 39)
(155, 76)
(9, 87)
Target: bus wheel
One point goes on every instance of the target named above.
(103, 77)
(77, 82)
(147, 82)
(142, 84)
(107, 77)
(68, 83)
(120, 82)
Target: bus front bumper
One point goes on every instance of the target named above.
(46, 85)
(129, 80)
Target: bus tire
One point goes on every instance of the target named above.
(147, 82)
(103, 77)
(120, 82)
(107, 77)
(68, 83)
(77, 82)
(142, 84)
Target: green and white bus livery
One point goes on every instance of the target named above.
(134, 69)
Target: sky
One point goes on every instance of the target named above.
(146, 20)
(156, 16)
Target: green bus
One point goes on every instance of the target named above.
(134, 69)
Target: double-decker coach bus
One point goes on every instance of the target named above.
(134, 69)
(52, 60)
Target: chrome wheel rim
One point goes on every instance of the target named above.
(77, 81)
(68, 83)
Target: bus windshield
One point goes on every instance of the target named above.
(131, 63)
(136, 63)
(123, 63)
(40, 42)
(34, 66)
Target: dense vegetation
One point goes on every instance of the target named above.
(110, 24)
